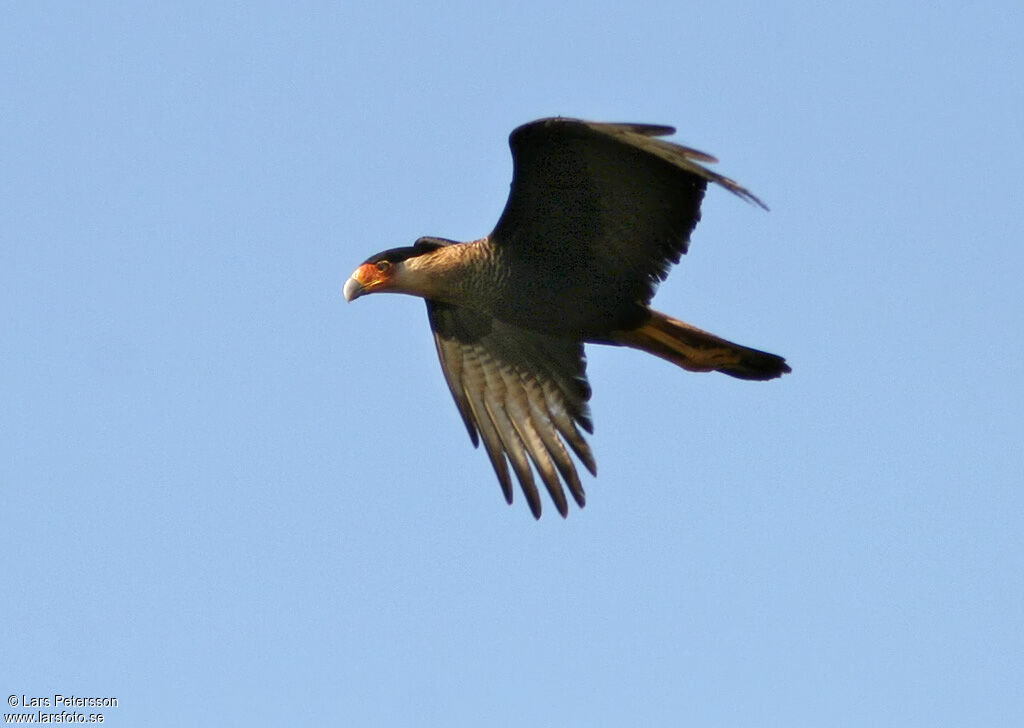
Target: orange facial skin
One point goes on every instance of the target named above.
(367, 278)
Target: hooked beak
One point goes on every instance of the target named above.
(365, 279)
(353, 289)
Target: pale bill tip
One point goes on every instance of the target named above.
(353, 289)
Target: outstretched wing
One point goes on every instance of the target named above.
(522, 393)
(606, 209)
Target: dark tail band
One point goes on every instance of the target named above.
(698, 351)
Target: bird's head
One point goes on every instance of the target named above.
(387, 272)
(381, 272)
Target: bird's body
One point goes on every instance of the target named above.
(596, 216)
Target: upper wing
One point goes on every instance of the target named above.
(523, 392)
(607, 208)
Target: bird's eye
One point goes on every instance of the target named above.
(383, 266)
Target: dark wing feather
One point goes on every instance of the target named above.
(605, 209)
(522, 393)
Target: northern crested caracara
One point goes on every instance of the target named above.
(596, 216)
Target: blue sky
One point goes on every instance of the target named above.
(229, 498)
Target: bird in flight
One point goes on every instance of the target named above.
(596, 216)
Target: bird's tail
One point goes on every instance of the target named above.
(698, 351)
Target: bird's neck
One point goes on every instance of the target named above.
(464, 274)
